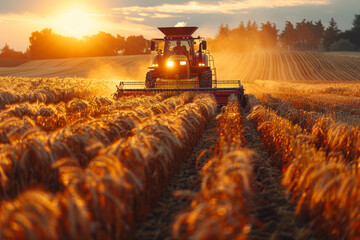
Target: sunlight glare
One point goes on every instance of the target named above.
(76, 22)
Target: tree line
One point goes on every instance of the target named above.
(46, 44)
(304, 35)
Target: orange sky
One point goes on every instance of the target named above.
(86, 17)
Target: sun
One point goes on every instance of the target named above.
(75, 22)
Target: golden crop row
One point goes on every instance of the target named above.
(116, 188)
(28, 151)
(327, 133)
(52, 117)
(221, 209)
(49, 90)
(324, 188)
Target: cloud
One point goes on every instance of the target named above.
(181, 24)
(26, 17)
(225, 7)
(162, 15)
(135, 19)
(143, 14)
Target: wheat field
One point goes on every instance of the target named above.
(77, 164)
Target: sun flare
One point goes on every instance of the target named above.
(76, 22)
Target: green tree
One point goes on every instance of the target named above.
(308, 34)
(331, 34)
(356, 23)
(353, 35)
(318, 34)
(288, 35)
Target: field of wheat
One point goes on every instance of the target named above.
(76, 164)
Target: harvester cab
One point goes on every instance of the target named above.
(182, 63)
(178, 63)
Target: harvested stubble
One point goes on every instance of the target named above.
(220, 210)
(317, 180)
(119, 183)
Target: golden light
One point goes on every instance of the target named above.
(170, 64)
(76, 22)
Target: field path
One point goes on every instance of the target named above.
(272, 209)
(159, 222)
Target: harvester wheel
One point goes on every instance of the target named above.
(150, 80)
(205, 79)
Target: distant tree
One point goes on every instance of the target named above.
(102, 44)
(136, 45)
(239, 32)
(288, 37)
(342, 45)
(356, 23)
(47, 44)
(308, 35)
(253, 35)
(7, 52)
(245, 38)
(5, 49)
(241, 28)
(318, 34)
(269, 35)
(223, 31)
(42, 44)
(252, 27)
(120, 44)
(353, 35)
(331, 34)
(356, 31)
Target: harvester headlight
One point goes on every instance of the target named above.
(170, 63)
(155, 65)
(201, 64)
(182, 63)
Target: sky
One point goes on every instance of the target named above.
(19, 18)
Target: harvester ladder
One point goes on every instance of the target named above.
(211, 64)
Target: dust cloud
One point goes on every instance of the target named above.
(125, 69)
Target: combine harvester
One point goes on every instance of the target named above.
(178, 67)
